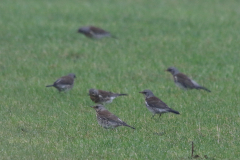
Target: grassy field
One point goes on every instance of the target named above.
(39, 43)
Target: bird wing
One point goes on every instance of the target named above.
(109, 116)
(105, 94)
(97, 30)
(156, 103)
(184, 80)
(65, 80)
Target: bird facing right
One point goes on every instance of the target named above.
(64, 83)
(183, 81)
(106, 119)
(155, 105)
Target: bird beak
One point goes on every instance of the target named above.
(92, 106)
(141, 92)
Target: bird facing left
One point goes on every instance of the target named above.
(94, 32)
(103, 97)
(108, 120)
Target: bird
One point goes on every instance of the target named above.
(183, 81)
(155, 105)
(64, 83)
(106, 119)
(103, 97)
(94, 32)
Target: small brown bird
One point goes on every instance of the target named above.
(183, 81)
(64, 83)
(100, 96)
(106, 119)
(94, 32)
(155, 105)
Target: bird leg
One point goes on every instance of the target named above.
(153, 116)
(159, 115)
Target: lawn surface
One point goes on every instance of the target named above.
(39, 43)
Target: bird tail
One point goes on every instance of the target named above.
(129, 126)
(173, 111)
(201, 87)
(49, 85)
(121, 94)
(114, 37)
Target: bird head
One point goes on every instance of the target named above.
(147, 93)
(84, 30)
(172, 70)
(93, 92)
(72, 75)
(98, 107)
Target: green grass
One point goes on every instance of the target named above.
(39, 43)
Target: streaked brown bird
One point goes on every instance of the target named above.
(94, 32)
(64, 83)
(183, 81)
(155, 105)
(108, 120)
(100, 96)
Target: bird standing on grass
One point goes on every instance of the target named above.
(94, 32)
(155, 105)
(106, 119)
(183, 81)
(64, 83)
(100, 96)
